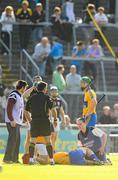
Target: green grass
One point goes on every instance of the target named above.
(59, 172)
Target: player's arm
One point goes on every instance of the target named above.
(92, 105)
(27, 115)
(27, 93)
(101, 134)
(10, 105)
(62, 113)
(79, 143)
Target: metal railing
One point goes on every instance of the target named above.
(8, 49)
(26, 61)
(101, 60)
(110, 129)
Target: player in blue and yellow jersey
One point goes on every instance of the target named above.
(90, 102)
(78, 156)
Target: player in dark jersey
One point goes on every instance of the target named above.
(57, 104)
(29, 93)
(93, 138)
(39, 106)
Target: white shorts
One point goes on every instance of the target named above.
(41, 149)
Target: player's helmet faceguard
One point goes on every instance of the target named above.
(86, 80)
(54, 88)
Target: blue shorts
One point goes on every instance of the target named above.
(92, 121)
(77, 157)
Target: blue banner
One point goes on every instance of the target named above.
(67, 140)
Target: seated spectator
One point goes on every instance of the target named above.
(23, 16)
(58, 79)
(56, 53)
(106, 117)
(41, 54)
(79, 51)
(73, 80)
(37, 17)
(94, 51)
(7, 20)
(102, 20)
(68, 10)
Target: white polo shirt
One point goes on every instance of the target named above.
(18, 107)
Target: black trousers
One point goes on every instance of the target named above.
(5, 38)
(13, 143)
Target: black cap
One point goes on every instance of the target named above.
(41, 86)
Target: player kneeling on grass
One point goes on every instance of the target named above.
(93, 138)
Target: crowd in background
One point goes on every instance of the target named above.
(48, 52)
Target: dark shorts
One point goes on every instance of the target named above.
(40, 127)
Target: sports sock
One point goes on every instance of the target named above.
(31, 150)
(49, 150)
(94, 157)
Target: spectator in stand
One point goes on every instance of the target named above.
(56, 53)
(68, 10)
(56, 20)
(43, 2)
(73, 87)
(7, 20)
(73, 80)
(94, 51)
(58, 79)
(23, 16)
(60, 26)
(115, 112)
(106, 117)
(79, 51)
(37, 17)
(41, 55)
(102, 21)
(87, 19)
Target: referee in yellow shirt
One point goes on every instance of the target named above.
(90, 102)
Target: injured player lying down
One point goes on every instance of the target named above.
(79, 156)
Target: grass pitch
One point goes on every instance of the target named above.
(59, 172)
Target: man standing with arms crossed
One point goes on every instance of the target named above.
(90, 102)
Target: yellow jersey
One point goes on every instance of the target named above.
(61, 158)
(88, 96)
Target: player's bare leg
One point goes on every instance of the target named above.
(32, 150)
(53, 139)
(49, 149)
(27, 142)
